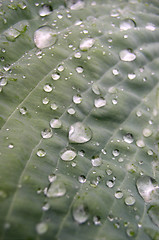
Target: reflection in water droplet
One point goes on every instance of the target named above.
(46, 133)
(96, 161)
(47, 88)
(68, 155)
(115, 153)
(127, 24)
(80, 213)
(41, 228)
(82, 179)
(44, 37)
(79, 133)
(79, 69)
(153, 213)
(45, 10)
(148, 188)
(127, 55)
(55, 76)
(86, 44)
(118, 194)
(77, 99)
(57, 189)
(23, 110)
(147, 132)
(55, 123)
(100, 102)
(41, 153)
(130, 200)
(128, 138)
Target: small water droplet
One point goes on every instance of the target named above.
(55, 123)
(46, 133)
(68, 155)
(153, 213)
(45, 10)
(41, 228)
(130, 200)
(140, 143)
(61, 68)
(79, 69)
(148, 188)
(41, 153)
(71, 111)
(56, 189)
(44, 37)
(96, 220)
(115, 72)
(130, 232)
(96, 89)
(118, 194)
(77, 55)
(147, 132)
(55, 76)
(115, 153)
(110, 183)
(128, 138)
(46, 207)
(127, 55)
(11, 146)
(100, 102)
(45, 101)
(54, 106)
(82, 179)
(52, 177)
(131, 76)
(23, 110)
(96, 161)
(80, 213)
(47, 88)
(127, 24)
(3, 82)
(138, 113)
(77, 99)
(79, 133)
(86, 44)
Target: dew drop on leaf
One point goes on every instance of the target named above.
(153, 213)
(80, 213)
(140, 143)
(47, 88)
(130, 232)
(131, 76)
(79, 133)
(100, 102)
(76, 5)
(41, 153)
(127, 24)
(46, 133)
(96, 161)
(77, 99)
(44, 37)
(55, 76)
(77, 55)
(71, 111)
(95, 89)
(23, 110)
(45, 10)
(3, 82)
(86, 44)
(128, 138)
(118, 194)
(56, 189)
(46, 207)
(79, 69)
(54, 106)
(110, 183)
(147, 132)
(11, 146)
(127, 55)
(130, 200)
(82, 179)
(61, 68)
(41, 228)
(150, 27)
(115, 72)
(96, 220)
(55, 123)
(45, 101)
(68, 155)
(52, 177)
(115, 152)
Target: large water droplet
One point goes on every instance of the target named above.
(55, 123)
(128, 138)
(68, 155)
(127, 24)
(45, 10)
(44, 37)
(100, 102)
(79, 133)
(153, 213)
(148, 188)
(80, 213)
(46, 133)
(41, 228)
(56, 189)
(86, 44)
(127, 55)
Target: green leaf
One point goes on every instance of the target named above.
(79, 102)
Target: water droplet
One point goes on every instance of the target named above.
(100, 102)
(54, 106)
(95, 89)
(115, 153)
(79, 133)
(110, 183)
(140, 143)
(61, 68)
(82, 179)
(55, 123)
(86, 44)
(150, 27)
(79, 69)
(130, 232)
(96, 220)
(46, 207)
(55, 76)
(41, 228)
(45, 10)
(80, 213)
(77, 99)
(127, 24)
(128, 138)
(127, 55)
(130, 200)
(47, 88)
(68, 155)
(153, 213)
(52, 177)
(115, 72)
(3, 82)
(11, 146)
(23, 110)
(138, 113)
(118, 194)
(114, 101)
(44, 37)
(77, 5)
(56, 189)
(11, 34)
(147, 132)
(45, 101)
(131, 76)
(96, 161)
(148, 188)
(41, 153)
(46, 133)
(71, 111)
(77, 55)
